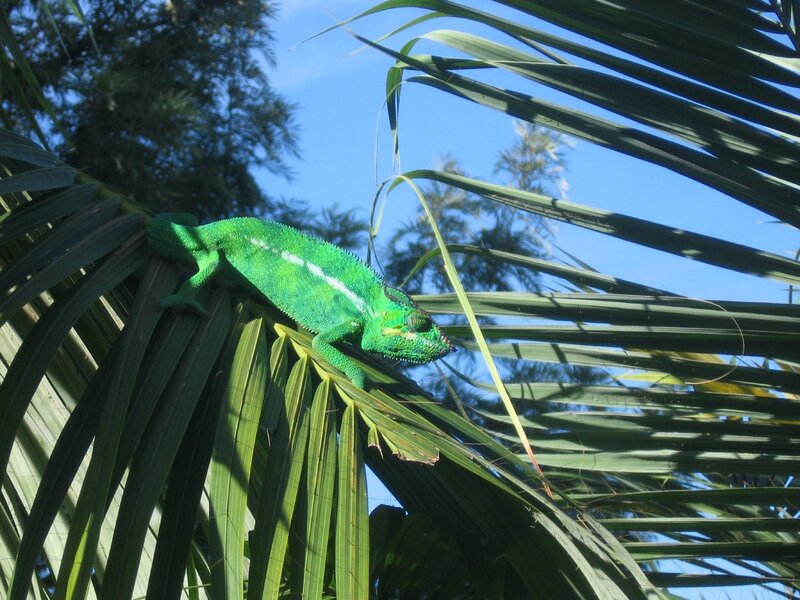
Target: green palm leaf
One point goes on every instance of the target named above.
(157, 454)
(707, 91)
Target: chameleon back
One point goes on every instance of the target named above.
(314, 282)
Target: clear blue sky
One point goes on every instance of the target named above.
(340, 97)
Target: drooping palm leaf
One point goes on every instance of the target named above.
(152, 453)
(703, 444)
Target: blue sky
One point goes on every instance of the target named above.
(340, 95)
(340, 91)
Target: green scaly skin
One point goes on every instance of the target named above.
(324, 288)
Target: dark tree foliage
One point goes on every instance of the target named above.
(166, 100)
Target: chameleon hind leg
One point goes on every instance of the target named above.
(208, 264)
(322, 344)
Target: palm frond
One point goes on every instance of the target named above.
(152, 453)
(696, 422)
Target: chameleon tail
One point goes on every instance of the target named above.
(173, 236)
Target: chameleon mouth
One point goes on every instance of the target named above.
(447, 341)
(434, 344)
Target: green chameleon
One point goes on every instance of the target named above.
(321, 286)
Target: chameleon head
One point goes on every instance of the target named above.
(401, 329)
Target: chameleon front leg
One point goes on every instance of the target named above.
(208, 264)
(322, 344)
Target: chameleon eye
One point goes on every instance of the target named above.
(417, 322)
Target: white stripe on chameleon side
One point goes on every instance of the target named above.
(292, 258)
(337, 284)
(315, 270)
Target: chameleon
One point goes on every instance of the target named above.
(326, 289)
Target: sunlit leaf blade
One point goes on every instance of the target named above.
(405, 442)
(707, 129)
(158, 449)
(174, 560)
(683, 243)
(280, 483)
(10, 532)
(628, 309)
(31, 361)
(69, 451)
(725, 27)
(232, 458)
(676, 339)
(578, 276)
(352, 524)
(637, 70)
(718, 171)
(320, 479)
(692, 580)
(84, 535)
(273, 410)
(682, 370)
(748, 551)
(672, 451)
(411, 485)
(455, 282)
(699, 395)
(700, 525)
(725, 177)
(278, 367)
(666, 401)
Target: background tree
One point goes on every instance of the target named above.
(168, 100)
(534, 162)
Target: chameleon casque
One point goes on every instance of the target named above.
(321, 286)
